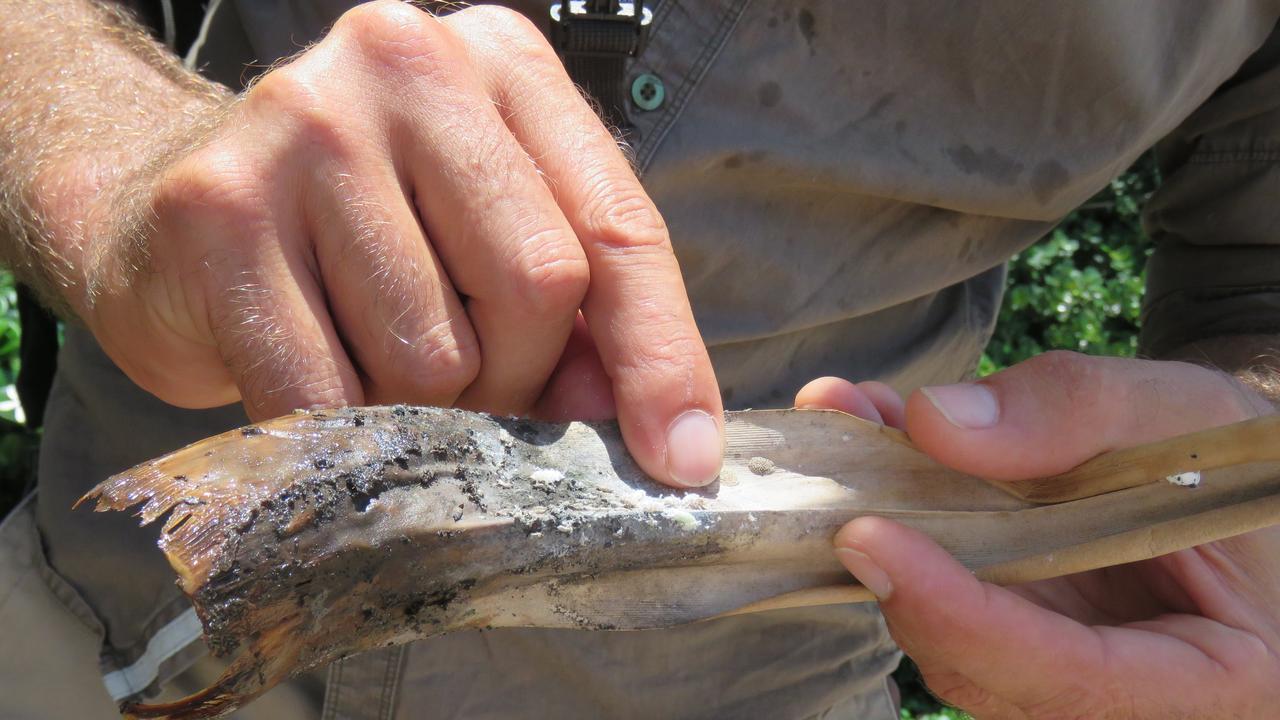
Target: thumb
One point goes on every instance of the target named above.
(995, 653)
(1052, 412)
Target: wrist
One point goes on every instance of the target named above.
(89, 210)
(74, 135)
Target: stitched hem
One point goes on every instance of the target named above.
(391, 683)
(66, 593)
(332, 690)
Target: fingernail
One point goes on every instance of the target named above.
(867, 572)
(969, 406)
(694, 449)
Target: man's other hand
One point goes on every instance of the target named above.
(1193, 634)
(421, 210)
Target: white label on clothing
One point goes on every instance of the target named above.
(167, 642)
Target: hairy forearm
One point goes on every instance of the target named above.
(87, 102)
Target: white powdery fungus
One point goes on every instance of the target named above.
(546, 479)
(683, 518)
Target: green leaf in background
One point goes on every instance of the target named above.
(10, 337)
(945, 713)
(18, 445)
(1080, 288)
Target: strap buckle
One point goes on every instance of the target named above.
(600, 28)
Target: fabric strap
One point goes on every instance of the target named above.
(595, 39)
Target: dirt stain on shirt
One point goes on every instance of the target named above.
(808, 28)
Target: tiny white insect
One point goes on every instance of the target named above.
(1186, 479)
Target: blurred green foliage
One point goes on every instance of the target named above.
(17, 444)
(10, 336)
(945, 713)
(1080, 288)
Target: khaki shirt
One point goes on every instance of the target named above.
(843, 182)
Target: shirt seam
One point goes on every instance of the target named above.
(333, 685)
(67, 595)
(694, 78)
(390, 683)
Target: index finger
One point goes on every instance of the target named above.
(636, 306)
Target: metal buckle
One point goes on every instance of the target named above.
(593, 27)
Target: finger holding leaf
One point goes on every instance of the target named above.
(1190, 634)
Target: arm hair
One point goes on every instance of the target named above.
(88, 103)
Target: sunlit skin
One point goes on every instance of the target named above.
(1188, 635)
(426, 210)
(414, 209)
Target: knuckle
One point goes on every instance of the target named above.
(442, 365)
(552, 273)
(282, 89)
(392, 34)
(524, 68)
(1062, 363)
(211, 184)
(1078, 377)
(518, 44)
(624, 220)
(294, 94)
(501, 22)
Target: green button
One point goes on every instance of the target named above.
(647, 92)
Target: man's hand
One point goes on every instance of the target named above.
(416, 209)
(1194, 634)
